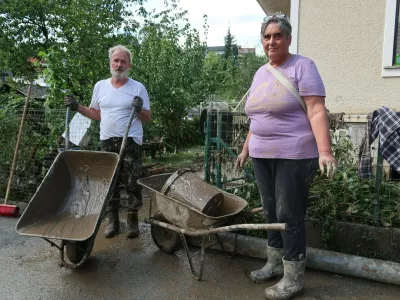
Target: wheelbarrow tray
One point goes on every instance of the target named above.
(185, 216)
(69, 202)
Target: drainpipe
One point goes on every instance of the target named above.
(329, 261)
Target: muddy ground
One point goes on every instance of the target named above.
(135, 269)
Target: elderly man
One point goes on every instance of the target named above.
(112, 103)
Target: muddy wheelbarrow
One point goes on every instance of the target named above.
(176, 220)
(69, 204)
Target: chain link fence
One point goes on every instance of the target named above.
(41, 140)
(225, 133)
(371, 201)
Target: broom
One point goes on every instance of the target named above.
(7, 209)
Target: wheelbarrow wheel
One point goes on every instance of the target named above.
(165, 239)
(76, 250)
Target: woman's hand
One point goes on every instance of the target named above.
(327, 160)
(240, 160)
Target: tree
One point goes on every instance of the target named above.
(214, 65)
(71, 36)
(169, 60)
(230, 76)
(231, 48)
(247, 67)
(230, 65)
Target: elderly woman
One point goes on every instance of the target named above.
(288, 139)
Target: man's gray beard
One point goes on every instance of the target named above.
(119, 76)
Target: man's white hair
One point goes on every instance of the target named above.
(121, 48)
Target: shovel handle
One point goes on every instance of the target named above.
(254, 211)
(124, 140)
(67, 127)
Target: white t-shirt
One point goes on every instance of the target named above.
(115, 106)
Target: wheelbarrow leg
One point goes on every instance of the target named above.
(198, 275)
(223, 248)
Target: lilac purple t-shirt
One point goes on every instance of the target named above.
(279, 126)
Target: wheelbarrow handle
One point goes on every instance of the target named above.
(273, 226)
(256, 211)
(125, 139)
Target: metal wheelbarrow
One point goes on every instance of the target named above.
(70, 202)
(175, 220)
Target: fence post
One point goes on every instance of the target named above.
(207, 149)
(378, 182)
(218, 163)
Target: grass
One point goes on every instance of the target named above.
(192, 157)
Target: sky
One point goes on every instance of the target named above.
(244, 18)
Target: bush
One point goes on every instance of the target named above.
(190, 134)
(346, 197)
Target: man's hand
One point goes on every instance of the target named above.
(69, 100)
(327, 159)
(137, 103)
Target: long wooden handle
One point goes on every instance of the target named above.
(256, 211)
(273, 226)
(13, 166)
(67, 127)
(125, 139)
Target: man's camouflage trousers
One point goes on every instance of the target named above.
(129, 173)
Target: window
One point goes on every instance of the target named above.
(294, 21)
(391, 44)
(396, 54)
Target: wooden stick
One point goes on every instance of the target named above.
(14, 163)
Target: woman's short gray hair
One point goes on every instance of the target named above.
(281, 20)
(121, 48)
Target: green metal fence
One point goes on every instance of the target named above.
(225, 134)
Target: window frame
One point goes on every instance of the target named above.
(390, 37)
(294, 21)
(396, 30)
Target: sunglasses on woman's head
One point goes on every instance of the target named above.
(277, 16)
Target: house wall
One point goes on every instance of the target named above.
(272, 6)
(345, 39)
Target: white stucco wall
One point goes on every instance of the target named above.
(345, 39)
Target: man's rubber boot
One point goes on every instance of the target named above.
(273, 267)
(112, 225)
(132, 225)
